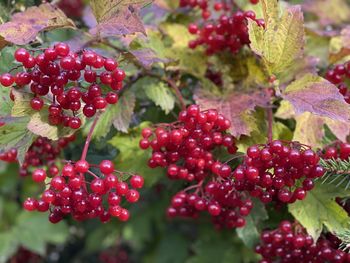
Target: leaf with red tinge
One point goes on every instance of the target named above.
(147, 57)
(25, 26)
(310, 127)
(235, 106)
(314, 94)
(117, 17)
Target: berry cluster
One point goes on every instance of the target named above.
(272, 172)
(227, 30)
(337, 76)
(42, 152)
(70, 81)
(226, 206)
(290, 243)
(9, 156)
(72, 192)
(338, 150)
(185, 147)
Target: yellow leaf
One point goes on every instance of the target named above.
(282, 41)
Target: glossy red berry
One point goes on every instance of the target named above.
(37, 103)
(106, 167)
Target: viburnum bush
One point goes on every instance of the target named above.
(174, 131)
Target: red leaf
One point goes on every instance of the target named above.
(234, 106)
(314, 94)
(124, 21)
(25, 26)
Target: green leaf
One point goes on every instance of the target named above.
(215, 245)
(14, 134)
(5, 101)
(319, 209)
(282, 41)
(124, 112)
(30, 224)
(8, 246)
(6, 59)
(158, 92)
(102, 237)
(166, 252)
(191, 61)
(250, 233)
(118, 115)
(131, 158)
(38, 121)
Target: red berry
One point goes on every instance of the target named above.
(6, 79)
(81, 166)
(39, 175)
(137, 181)
(30, 204)
(21, 55)
(106, 167)
(118, 75)
(62, 49)
(110, 64)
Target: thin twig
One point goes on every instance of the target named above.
(88, 139)
(269, 124)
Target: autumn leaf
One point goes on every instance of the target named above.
(319, 209)
(147, 57)
(310, 127)
(282, 41)
(25, 26)
(236, 106)
(117, 17)
(314, 94)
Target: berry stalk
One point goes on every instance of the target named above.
(269, 124)
(88, 138)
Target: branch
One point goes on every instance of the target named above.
(269, 124)
(88, 139)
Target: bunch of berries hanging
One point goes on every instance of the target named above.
(278, 171)
(78, 191)
(63, 82)
(290, 243)
(225, 29)
(338, 76)
(186, 149)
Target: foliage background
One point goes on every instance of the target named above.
(149, 236)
